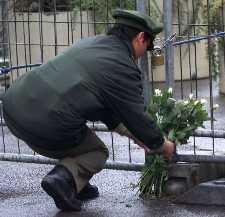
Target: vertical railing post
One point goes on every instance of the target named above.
(3, 29)
(169, 50)
(143, 62)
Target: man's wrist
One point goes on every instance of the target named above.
(159, 149)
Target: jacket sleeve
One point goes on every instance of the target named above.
(123, 94)
(111, 121)
(141, 126)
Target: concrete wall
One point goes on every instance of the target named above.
(41, 38)
(47, 38)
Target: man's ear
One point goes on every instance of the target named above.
(141, 37)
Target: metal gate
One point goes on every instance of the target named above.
(32, 32)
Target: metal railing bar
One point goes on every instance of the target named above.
(198, 133)
(16, 37)
(201, 158)
(55, 30)
(81, 21)
(112, 145)
(198, 38)
(129, 150)
(4, 70)
(34, 44)
(40, 28)
(57, 22)
(191, 39)
(189, 49)
(196, 24)
(25, 158)
(118, 165)
(29, 36)
(180, 52)
(210, 71)
(101, 22)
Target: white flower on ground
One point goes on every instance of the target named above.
(216, 106)
(203, 101)
(191, 96)
(170, 90)
(158, 92)
(185, 102)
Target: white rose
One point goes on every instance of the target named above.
(170, 90)
(191, 96)
(216, 106)
(185, 102)
(203, 101)
(196, 102)
(158, 92)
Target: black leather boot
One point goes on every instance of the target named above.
(88, 192)
(60, 185)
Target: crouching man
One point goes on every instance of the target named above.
(96, 79)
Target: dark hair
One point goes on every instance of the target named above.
(125, 32)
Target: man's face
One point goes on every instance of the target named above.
(140, 44)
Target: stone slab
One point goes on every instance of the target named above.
(207, 193)
(183, 169)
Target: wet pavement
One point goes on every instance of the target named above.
(22, 196)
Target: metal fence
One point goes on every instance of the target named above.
(33, 32)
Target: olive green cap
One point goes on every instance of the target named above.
(137, 20)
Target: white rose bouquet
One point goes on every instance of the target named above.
(177, 120)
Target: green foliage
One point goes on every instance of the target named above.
(212, 15)
(177, 121)
(102, 5)
(208, 17)
(154, 176)
(43, 5)
(102, 10)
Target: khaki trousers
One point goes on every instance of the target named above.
(83, 161)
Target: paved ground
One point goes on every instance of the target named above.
(21, 196)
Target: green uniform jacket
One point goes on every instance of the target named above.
(96, 79)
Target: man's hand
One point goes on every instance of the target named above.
(168, 149)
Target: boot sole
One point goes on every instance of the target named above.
(87, 196)
(61, 202)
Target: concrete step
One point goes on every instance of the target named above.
(206, 193)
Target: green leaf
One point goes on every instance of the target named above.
(177, 120)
